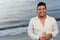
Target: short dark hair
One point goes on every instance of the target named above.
(41, 3)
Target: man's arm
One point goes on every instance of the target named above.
(30, 31)
(55, 30)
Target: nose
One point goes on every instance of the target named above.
(42, 10)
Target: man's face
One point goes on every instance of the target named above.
(41, 10)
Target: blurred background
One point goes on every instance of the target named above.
(15, 16)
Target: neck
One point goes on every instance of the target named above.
(42, 17)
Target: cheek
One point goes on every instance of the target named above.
(45, 11)
(38, 11)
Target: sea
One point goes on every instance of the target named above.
(16, 14)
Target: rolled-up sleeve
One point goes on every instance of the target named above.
(55, 29)
(30, 31)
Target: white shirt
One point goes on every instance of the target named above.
(36, 29)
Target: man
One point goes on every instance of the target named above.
(42, 27)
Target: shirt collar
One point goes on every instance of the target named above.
(46, 17)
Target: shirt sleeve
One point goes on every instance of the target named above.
(55, 28)
(30, 32)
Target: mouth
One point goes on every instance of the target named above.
(42, 13)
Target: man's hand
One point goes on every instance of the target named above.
(42, 38)
(48, 36)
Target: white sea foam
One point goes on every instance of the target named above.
(14, 31)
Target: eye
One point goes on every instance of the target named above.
(39, 9)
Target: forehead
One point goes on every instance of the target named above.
(42, 6)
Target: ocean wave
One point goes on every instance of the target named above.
(12, 27)
(13, 24)
(15, 31)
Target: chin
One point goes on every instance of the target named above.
(41, 16)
